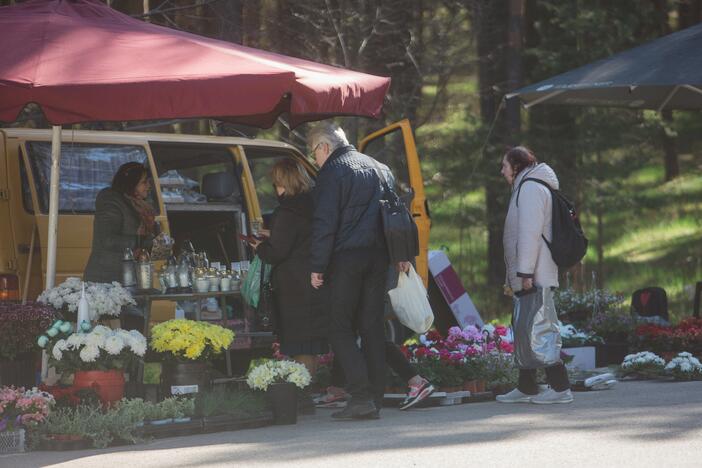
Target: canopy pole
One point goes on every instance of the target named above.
(543, 98)
(693, 88)
(668, 98)
(53, 207)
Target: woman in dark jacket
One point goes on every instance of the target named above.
(123, 219)
(301, 308)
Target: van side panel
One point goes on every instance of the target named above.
(6, 241)
(20, 222)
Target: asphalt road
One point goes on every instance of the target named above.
(636, 424)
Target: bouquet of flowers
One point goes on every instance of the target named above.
(570, 302)
(571, 337)
(103, 298)
(190, 340)
(23, 408)
(686, 335)
(685, 367)
(99, 349)
(644, 364)
(19, 326)
(613, 325)
(273, 371)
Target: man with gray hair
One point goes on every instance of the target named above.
(349, 256)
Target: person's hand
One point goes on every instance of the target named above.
(254, 243)
(527, 283)
(403, 267)
(264, 233)
(317, 280)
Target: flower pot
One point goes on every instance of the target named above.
(470, 385)
(283, 399)
(583, 357)
(181, 420)
(109, 385)
(186, 377)
(12, 441)
(610, 353)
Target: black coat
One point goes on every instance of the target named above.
(114, 229)
(347, 206)
(302, 310)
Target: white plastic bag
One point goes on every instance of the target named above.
(410, 303)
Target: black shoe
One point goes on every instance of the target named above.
(358, 410)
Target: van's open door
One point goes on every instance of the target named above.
(394, 146)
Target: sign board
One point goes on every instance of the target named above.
(452, 290)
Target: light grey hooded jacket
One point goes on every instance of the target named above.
(526, 252)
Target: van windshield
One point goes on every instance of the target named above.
(85, 169)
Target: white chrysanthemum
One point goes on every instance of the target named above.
(89, 353)
(114, 344)
(138, 347)
(94, 339)
(56, 352)
(62, 345)
(101, 330)
(76, 340)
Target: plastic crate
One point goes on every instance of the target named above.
(12, 441)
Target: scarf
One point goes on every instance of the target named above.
(147, 215)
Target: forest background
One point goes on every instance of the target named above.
(635, 175)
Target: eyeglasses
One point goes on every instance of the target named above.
(314, 150)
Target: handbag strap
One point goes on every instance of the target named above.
(381, 176)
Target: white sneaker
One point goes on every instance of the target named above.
(515, 396)
(551, 396)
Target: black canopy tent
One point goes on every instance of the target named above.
(662, 74)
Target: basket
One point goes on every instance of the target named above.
(12, 441)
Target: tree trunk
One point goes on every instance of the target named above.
(670, 151)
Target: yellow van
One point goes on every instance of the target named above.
(186, 170)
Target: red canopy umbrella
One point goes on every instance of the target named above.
(82, 61)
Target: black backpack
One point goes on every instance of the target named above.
(568, 242)
(399, 228)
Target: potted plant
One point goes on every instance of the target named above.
(104, 299)
(643, 365)
(580, 345)
(280, 380)
(20, 409)
(615, 326)
(684, 367)
(20, 324)
(186, 347)
(134, 409)
(97, 357)
(577, 307)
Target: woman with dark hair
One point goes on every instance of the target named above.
(530, 268)
(123, 219)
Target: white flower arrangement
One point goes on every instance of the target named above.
(100, 349)
(103, 298)
(685, 367)
(270, 372)
(645, 364)
(572, 337)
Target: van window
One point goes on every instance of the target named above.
(26, 189)
(261, 160)
(86, 169)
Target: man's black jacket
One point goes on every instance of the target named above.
(347, 206)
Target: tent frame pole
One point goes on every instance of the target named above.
(53, 207)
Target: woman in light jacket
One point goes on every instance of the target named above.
(530, 265)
